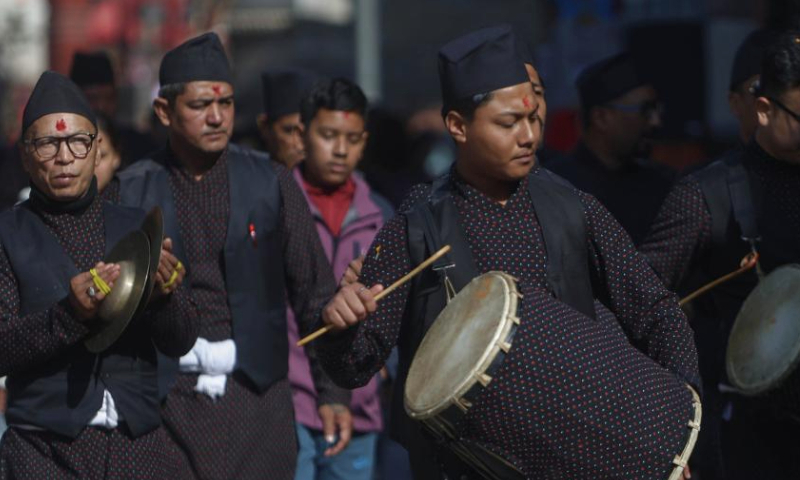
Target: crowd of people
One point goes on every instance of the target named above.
(606, 373)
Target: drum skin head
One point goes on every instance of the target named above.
(132, 253)
(461, 344)
(764, 344)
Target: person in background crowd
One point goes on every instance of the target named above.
(620, 112)
(108, 157)
(72, 412)
(348, 214)
(703, 229)
(279, 125)
(94, 74)
(249, 243)
(745, 73)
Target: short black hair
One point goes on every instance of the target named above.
(338, 94)
(171, 91)
(780, 68)
(108, 125)
(466, 107)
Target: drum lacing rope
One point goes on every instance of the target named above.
(681, 460)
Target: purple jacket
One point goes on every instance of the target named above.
(366, 216)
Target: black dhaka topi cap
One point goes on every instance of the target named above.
(608, 79)
(480, 62)
(283, 89)
(91, 69)
(198, 59)
(55, 93)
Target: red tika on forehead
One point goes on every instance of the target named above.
(216, 89)
(61, 125)
(346, 114)
(526, 102)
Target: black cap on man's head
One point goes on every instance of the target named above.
(747, 61)
(91, 69)
(480, 62)
(283, 89)
(55, 93)
(199, 59)
(608, 79)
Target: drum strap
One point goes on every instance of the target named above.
(727, 192)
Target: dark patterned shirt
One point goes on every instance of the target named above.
(509, 238)
(30, 339)
(681, 235)
(243, 434)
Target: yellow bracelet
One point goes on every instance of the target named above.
(99, 282)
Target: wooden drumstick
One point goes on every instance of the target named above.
(748, 262)
(413, 273)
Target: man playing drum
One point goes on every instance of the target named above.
(573, 398)
(746, 201)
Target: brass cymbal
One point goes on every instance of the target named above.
(153, 227)
(115, 312)
(764, 343)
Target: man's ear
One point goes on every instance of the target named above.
(456, 125)
(162, 108)
(763, 111)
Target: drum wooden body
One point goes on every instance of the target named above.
(764, 344)
(466, 356)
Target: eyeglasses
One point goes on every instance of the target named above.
(79, 144)
(786, 109)
(645, 109)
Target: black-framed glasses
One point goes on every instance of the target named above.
(79, 144)
(645, 109)
(786, 109)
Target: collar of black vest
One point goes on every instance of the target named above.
(40, 201)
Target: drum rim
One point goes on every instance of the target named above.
(509, 313)
(774, 381)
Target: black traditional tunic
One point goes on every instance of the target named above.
(30, 339)
(243, 434)
(754, 443)
(632, 193)
(542, 412)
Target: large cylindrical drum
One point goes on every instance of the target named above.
(764, 343)
(520, 385)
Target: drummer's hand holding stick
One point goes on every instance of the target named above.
(88, 289)
(170, 271)
(355, 302)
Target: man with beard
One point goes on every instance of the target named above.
(74, 413)
(499, 212)
(244, 229)
(619, 112)
(748, 200)
(279, 124)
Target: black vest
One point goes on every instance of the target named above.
(254, 271)
(433, 223)
(64, 393)
(736, 207)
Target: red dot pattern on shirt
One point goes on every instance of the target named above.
(95, 453)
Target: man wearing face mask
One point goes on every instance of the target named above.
(711, 219)
(619, 113)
